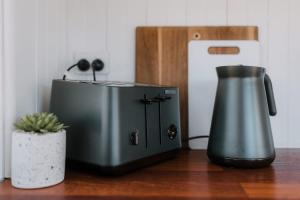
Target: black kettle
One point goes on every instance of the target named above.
(240, 133)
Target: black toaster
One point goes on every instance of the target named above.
(117, 126)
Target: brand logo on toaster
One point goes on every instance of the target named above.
(170, 92)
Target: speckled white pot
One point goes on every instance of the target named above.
(38, 160)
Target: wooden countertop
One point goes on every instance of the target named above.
(189, 176)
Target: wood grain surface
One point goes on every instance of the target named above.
(162, 56)
(189, 176)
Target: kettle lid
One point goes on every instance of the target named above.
(240, 71)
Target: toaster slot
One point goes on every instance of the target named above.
(146, 125)
(152, 121)
(161, 99)
(153, 126)
(159, 122)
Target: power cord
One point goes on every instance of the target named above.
(196, 137)
(97, 65)
(64, 77)
(84, 65)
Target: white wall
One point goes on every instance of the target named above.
(1, 92)
(50, 32)
(8, 87)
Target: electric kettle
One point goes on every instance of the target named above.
(240, 133)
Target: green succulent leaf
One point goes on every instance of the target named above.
(40, 123)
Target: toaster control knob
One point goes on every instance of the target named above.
(172, 132)
(134, 137)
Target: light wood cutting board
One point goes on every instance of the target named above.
(162, 56)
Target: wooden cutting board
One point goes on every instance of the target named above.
(162, 56)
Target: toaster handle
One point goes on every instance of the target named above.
(162, 98)
(146, 101)
(155, 99)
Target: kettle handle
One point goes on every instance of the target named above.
(270, 95)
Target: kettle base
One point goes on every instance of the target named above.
(242, 163)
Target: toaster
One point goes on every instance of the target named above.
(115, 126)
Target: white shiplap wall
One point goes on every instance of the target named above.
(1, 91)
(8, 88)
(49, 32)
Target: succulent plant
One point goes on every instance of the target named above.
(40, 123)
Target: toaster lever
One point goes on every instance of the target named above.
(146, 100)
(149, 101)
(162, 98)
(155, 99)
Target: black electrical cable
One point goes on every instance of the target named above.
(196, 137)
(64, 77)
(94, 74)
(84, 65)
(72, 67)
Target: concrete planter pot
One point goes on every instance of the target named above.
(38, 160)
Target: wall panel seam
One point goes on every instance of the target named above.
(36, 45)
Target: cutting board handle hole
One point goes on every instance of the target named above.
(214, 50)
(197, 36)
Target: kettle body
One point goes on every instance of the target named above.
(240, 133)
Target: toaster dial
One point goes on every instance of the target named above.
(172, 132)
